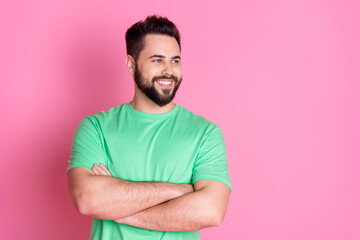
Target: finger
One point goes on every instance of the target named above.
(101, 170)
(105, 169)
(109, 173)
(95, 170)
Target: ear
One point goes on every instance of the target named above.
(130, 65)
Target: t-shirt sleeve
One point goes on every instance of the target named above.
(87, 145)
(211, 162)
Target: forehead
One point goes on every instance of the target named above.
(160, 44)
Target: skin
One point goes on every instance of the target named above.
(104, 196)
(159, 206)
(205, 207)
(162, 45)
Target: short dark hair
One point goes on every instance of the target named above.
(155, 24)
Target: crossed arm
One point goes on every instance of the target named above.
(157, 206)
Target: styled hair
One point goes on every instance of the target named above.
(154, 24)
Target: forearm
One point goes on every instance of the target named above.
(116, 198)
(190, 212)
(107, 197)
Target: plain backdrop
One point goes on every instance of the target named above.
(280, 77)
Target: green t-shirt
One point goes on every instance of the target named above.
(176, 147)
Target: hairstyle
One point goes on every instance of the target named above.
(135, 35)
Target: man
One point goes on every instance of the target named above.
(150, 169)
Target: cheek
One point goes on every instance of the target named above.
(151, 72)
(178, 71)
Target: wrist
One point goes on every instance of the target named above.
(120, 220)
(186, 188)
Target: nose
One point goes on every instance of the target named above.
(167, 69)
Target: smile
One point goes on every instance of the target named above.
(165, 83)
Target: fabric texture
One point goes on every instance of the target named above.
(176, 147)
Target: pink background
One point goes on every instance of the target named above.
(280, 77)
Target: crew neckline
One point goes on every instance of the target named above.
(151, 115)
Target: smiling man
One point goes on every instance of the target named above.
(158, 75)
(150, 169)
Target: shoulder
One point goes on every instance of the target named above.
(105, 116)
(110, 113)
(99, 121)
(197, 121)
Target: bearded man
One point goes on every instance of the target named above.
(150, 169)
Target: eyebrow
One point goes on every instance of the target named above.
(162, 56)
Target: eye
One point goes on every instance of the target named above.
(175, 61)
(157, 60)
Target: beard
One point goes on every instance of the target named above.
(160, 97)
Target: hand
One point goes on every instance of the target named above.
(101, 170)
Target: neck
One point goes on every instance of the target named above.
(142, 103)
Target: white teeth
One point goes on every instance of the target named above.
(165, 83)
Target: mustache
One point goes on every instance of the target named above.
(166, 77)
